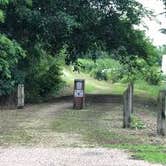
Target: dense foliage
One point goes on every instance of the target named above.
(81, 24)
(111, 70)
(163, 30)
(10, 54)
(102, 69)
(43, 28)
(43, 79)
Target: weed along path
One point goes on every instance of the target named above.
(52, 134)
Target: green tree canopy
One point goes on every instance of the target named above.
(79, 24)
(45, 27)
(10, 54)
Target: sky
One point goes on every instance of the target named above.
(157, 23)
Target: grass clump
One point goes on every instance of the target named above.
(137, 123)
(103, 137)
(150, 153)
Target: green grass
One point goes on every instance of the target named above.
(147, 152)
(141, 88)
(92, 85)
(95, 126)
(137, 123)
(90, 88)
(20, 136)
(150, 153)
(75, 121)
(105, 137)
(87, 122)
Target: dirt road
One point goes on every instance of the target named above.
(53, 134)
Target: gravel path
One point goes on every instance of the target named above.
(67, 157)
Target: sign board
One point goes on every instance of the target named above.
(79, 85)
(79, 96)
(78, 93)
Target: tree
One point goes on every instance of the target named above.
(43, 27)
(79, 24)
(164, 2)
(163, 30)
(10, 54)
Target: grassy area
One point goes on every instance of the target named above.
(102, 127)
(150, 153)
(143, 88)
(103, 87)
(98, 125)
(33, 127)
(92, 85)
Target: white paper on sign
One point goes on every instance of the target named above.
(79, 85)
(78, 93)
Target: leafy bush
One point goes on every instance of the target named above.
(110, 69)
(10, 55)
(136, 123)
(44, 80)
(101, 75)
(153, 76)
(102, 69)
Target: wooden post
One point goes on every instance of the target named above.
(20, 96)
(161, 119)
(126, 109)
(131, 89)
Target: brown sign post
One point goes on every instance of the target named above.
(79, 94)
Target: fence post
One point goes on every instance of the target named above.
(20, 96)
(161, 119)
(131, 89)
(126, 109)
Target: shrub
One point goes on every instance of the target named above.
(10, 55)
(136, 123)
(153, 76)
(101, 75)
(44, 80)
(102, 69)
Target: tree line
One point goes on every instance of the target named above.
(35, 35)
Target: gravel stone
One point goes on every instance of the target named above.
(67, 157)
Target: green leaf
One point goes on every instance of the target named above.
(1, 16)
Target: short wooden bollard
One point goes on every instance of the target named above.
(127, 106)
(161, 119)
(20, 96)
(130, 88)
(79, 94)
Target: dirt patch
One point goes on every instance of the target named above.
(56, 124)
(32, 126)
